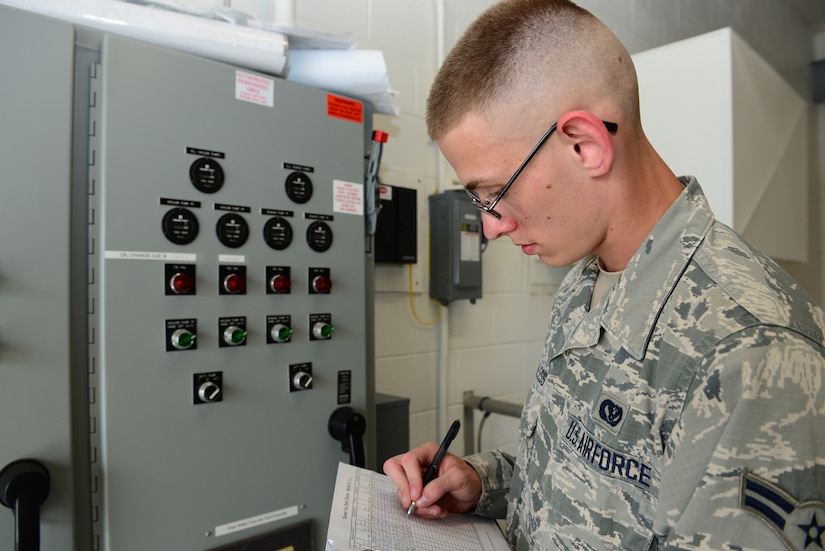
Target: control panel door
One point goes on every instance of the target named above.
(230, 279)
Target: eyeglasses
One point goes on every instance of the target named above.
(489, 205)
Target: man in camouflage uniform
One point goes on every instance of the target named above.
(680, 399)
(698, 375)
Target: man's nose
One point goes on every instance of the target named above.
(496, 227)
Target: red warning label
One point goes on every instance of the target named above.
(344, 108)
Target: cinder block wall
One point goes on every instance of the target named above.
(493, 346)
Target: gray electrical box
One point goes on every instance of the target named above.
(392, 427)
(455, 247)
(818, 80)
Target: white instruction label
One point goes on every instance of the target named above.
(347, 197)
(251, 522)
(254, 88)
(470, 243)
(150, 255)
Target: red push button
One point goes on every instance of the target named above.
(181, 283)
(234, 284)
(322, 284)
(280, 284)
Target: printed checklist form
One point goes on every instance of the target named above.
(367, 516)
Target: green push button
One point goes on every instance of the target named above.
(183, 339)
(234, 335)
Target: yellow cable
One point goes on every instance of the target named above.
(412, 304)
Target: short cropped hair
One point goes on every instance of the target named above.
(519, 51)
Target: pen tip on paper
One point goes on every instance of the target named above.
(411, 508)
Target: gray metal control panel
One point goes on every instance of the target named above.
(226, 313)
(231, 298)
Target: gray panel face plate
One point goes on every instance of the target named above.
(171, 471)
(36, 61)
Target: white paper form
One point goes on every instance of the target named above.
(367, 516)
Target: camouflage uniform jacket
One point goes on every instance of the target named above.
(685, 411)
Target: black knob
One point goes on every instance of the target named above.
(24, 486)
(348, 426)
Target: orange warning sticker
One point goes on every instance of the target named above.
(345, 108)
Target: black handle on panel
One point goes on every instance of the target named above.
(24, 486)
(348, 426)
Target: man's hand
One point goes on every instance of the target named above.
(456, 489)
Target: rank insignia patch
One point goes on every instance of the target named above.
(799, 524)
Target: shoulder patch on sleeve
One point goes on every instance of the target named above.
(799, 524)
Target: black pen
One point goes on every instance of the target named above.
(432, 470)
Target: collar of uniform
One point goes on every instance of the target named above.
(571, 325)
(634, 304)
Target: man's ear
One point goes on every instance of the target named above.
(590, 140)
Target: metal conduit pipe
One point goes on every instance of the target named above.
(487, 405)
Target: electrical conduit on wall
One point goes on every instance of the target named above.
(442, 361)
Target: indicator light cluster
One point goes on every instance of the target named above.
(180, 279)
(182, 334)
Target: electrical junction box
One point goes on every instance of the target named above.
(455, 247)
(396, 230)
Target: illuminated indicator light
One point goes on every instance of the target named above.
(183, 339)
(281, 333)
(280, 284)
(234, 284)
(234, 335)
(322, 284)
(322, 330)
(181, 283)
